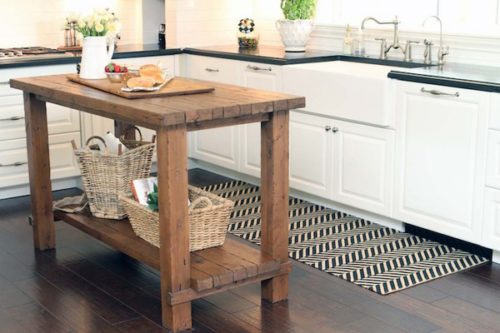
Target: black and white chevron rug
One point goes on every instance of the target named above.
(372, 256)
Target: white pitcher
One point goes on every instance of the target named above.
(95, 56)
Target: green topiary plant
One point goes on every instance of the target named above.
(298, 9)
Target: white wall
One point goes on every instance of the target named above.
(40, 22)
(204, 22)
(471, 28)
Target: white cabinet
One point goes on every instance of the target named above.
(311, 168)
(346, 162)
(440, 152)
(63, 125)
(218, 146)
(363, 158)
(493, 159)
(491, 222)
(13, 159)
(257, 76)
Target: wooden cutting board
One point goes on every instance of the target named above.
(177, 86)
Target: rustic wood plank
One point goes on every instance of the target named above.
(274, 192)
(119, 235)
(39, 172)
(241, 269)
(197, 126)
(175, 261)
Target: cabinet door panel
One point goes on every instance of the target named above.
(491, 224)
(250, 149)
(217, 146)
(493, 160)
(310, 151)
(363, 163)
(440, 149)
(257, 76)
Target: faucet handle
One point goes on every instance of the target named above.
(407, 51)
(383, 46)
(428, 51)
(444, 51)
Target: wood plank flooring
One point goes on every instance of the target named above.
(84, 286)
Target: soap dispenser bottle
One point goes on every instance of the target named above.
(348, 47)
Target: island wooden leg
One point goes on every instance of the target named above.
(174, 226)
(274, 192)
(39, 172)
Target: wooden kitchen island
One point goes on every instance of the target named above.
(185, 276)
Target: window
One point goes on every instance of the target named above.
(459, 16)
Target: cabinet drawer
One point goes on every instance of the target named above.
(213, 69)
(60, 119)
(13, 158)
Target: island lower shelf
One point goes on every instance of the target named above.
(212, 270)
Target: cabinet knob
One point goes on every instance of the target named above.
(328, 128)
(335, 129)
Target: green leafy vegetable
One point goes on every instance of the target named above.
(153, 199)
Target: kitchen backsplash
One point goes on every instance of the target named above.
(40, 22)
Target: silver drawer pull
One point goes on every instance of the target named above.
(257, 68)
(439, 93)
(13, 118)
(212, 70)
(15, 164)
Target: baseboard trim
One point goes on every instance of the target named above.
(451, 241)
(382, 220)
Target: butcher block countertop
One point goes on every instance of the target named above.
(224, 103)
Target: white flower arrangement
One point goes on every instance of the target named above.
(102, 22)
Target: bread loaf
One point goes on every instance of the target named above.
(153, 72)
(140, 82)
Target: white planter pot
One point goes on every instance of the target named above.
(295, 34)
(95, 56)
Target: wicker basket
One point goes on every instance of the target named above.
(106, 176)
(208, 219)
(133, 143)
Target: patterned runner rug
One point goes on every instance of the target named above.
(372, 256)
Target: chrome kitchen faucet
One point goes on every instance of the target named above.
(384, 49)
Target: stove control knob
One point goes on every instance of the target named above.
(10, 54)
(18, 53)
(2, 54)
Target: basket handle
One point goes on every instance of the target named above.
(200, 200)
(135, 128)
(96, 137)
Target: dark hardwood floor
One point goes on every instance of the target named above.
(84, 286)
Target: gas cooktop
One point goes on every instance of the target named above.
(15, 54)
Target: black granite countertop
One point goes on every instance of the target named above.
(264, 54)
(121, 52)
(465, 76)
(454, 75)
